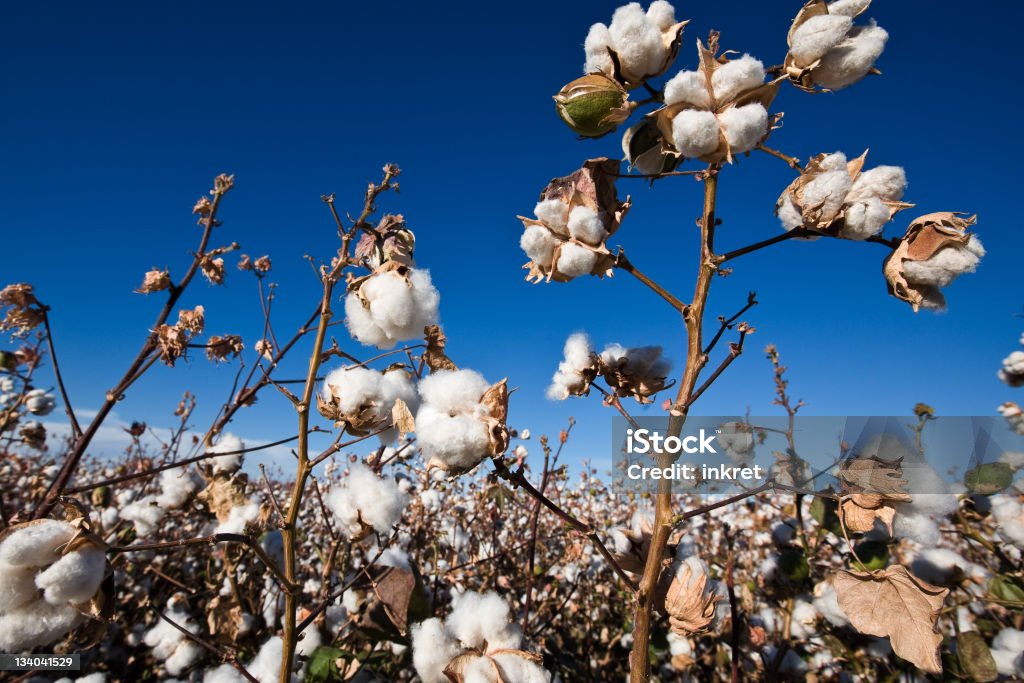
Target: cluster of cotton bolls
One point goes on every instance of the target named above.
(1012, 372)
(566, 240)
(638, 372)
(175, 487)
(172, 647)
(477, 642)
(454, 425)
(393, 304)
(363, 399)
(834, 194)
(719, 111)
(41, 583)
(363, 502)
(827, 50)
(645, 43)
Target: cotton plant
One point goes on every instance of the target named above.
(827, 50)
(475, 643)
(51, 574)
(637, 45)
(838, 197)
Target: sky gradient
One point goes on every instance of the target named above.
(118, 115)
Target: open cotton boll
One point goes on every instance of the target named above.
(1012, 372)
(17, 586)
(432, 649)
(586, 226)
(736, 76)
(539, 244)
(266, 666)
(1008, 651)
(827, 603)
(827, 192)
(598, 60)
(864, 219)
(171, 646)
(848, 8)
(884, 182)
(695, 133)
(662, 14)
(575, 260)
(569, 380)
(364, 498)
(939, 565)
(516, 668)
(35, 624)
(946, 265)
(478, 618)
(803, 623)
(74, 578)
(637, 40)
(851, 59)
(227, 443)
(744, 127)
(453, 390)
(176, 485)
(789, 215)
(239, 516)
(36, 545)
(145, 513)
(554, 213)
(917, 527)
(1009, 516)
(688, 86)
(816, 36)
(398, 310)
(460, 441)
(833, 162)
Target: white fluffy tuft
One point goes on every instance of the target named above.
(398, 309)
(851, 59)
(816, 36)
(539, 244)
(688, 86)
(364, 497)
(945, 266)
(586, 226)
(744, 127)
(575, 260)
(695, 132)
(736, 77)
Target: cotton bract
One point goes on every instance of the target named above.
(645, 43)
(827, 51)
(393, 304)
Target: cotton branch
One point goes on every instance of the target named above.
(625, 264)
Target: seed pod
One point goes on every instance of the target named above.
(644, 149)
(593, 105)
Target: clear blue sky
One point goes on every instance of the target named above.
(117, 115)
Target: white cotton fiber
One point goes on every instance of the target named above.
(568, 379)
(596, 49)
(945, 266)
(575, 260)
(238, 517)
(939, 565)
(836, 161)
(74, 578)
(36, 545)
(432, 649)
(539, 244)
(1008, 651)
(1012, 372)
(516, 668)
(554, 213)
(586, 226)
(864, 219)
(816, 36)
(362, 495)
(916, 526)
(851, 59)
(695, 133)
(1008, 514)
(460, 441)
(227, 443)
(788, 214)
(848, 8)
(175, 487)
(736, 77)
(145, 513)
(478, 618)
(827, 193)
(662, 14)
(827, 603)
(266, 666)
(399, 309)
(38, 623)
(744, 127)
(17, 586)
(688, 86)
(637, 41)
(453, 390)
(358, 390)
(885, 182)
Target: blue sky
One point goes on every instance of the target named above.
(117, 115)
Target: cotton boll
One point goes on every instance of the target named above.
(885, 182)
(598, 60)
(688, 86)
(311, 640)
(864, 219)
(1009, 516)
(399, 308)
(176, 485)
(939, 565)
(227, 443)
(851, 59)
(918, 527)
(478, 618)
(575, 260)
(185, 655)
(803, 623)
(827, 193)
(225, 673)
(1012, 372)
(945, 266)
(17, 586)
(1008, 651)
(146, 514)
(453, 390)
(432, 650)
(460, 441)
(239, 516)
(816, 36)
(569, 379)
(36, 545)
(395, 557)
(586, 226)
(539, 244)
(744, 127)
(480, 670)
(364, 497)
(516, 668)
(554, 213)
(662, 14)
(266, 666)
(827, 603)
(848, 8)
(833, 162)
(789, 215)
(695, 133)
(35, 624)
(74, 578)
(637, 41)
(736, 77)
